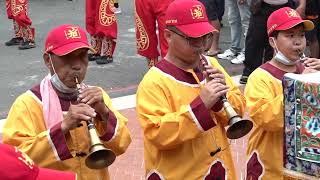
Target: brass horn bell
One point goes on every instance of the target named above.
(99, 157)
(238, 127)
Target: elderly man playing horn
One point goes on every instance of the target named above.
(180, 112)
(49, 121)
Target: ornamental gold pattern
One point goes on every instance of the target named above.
(106, 47)
(17, 29)
(16, 9)
(30, 33)
(105, 18)
(142, 35)
(96, 44)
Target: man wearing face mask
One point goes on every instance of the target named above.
(179, 111)
(48, 122)
(264, 92)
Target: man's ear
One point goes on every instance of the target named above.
(167, 35)
(46, 59)
(272, 42)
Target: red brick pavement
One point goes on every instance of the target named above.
(130, 166)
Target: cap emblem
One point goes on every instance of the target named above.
(72, 33)
(197, 12)
(292, 13)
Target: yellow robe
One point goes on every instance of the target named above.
(264, 95)
(50, 148)
(179, 131)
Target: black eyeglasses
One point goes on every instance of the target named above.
(195, 41)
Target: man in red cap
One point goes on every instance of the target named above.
(101, 24)
(16, 165)
(24, 32)
(264, 92)
(150, 18)
(48, 122)
(180, 112)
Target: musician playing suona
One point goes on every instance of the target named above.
(24, 33)
(181, 114)
(264, 92)
(48, 122)
(101, 24)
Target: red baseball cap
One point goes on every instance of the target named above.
(15, 165)
(286, 18)
(189, 16)
(65, 39)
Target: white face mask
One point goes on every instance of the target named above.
(280, 57)
(58, 84)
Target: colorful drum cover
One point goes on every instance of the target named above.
(302, 125)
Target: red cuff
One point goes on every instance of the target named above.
(111, 127)
(217, 106)
(201, 114)
(59, 143)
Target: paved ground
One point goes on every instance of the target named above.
(21, 69)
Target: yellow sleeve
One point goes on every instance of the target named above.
(265, 109)
(115, 133)
(234, 96)
(25, 129)
(163, 127)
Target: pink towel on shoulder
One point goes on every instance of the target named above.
(50, 101)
